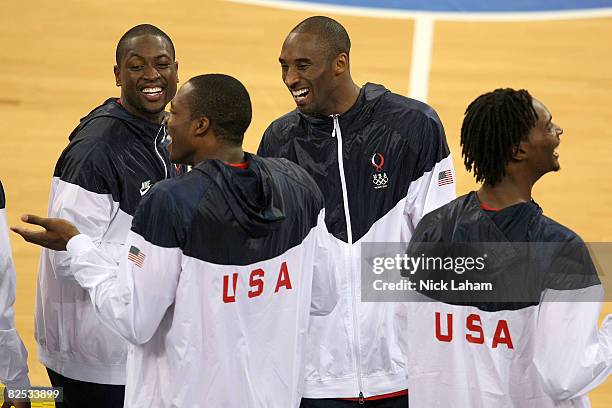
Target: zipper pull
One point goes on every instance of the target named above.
(361, 399)
(336, 124)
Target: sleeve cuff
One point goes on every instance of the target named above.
(78, 244)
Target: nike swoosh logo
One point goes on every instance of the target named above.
(144, 190)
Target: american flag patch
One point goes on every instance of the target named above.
(445, 177)
(136, 256)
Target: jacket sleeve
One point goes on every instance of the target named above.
(571, 355)
(132, 298)
(83, 195)
(434, 185)
(324, 291)
(13, 354)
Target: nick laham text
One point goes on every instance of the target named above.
(433, 285)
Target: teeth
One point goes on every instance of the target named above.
(151, 90)
(300, 92)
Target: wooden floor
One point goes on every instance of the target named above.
(57, 60)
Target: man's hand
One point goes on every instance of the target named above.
(56, 235)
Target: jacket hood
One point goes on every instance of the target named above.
(113, 109)
(252, 195)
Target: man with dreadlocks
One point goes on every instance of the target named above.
(532, 340)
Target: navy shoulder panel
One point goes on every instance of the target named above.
(288, 119)
(89, 159)
(429, 224)
(419, 125)
(115, 156)
(571, 266)
(2, 199)
(297, 174)
(165, 213)
(553, 258)
(387, 102)
(552, 231)
(440, 225)
(249, 215)
(405, 104)
(277, 134)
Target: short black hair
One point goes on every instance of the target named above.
(137, 31)
(494, 125)
(330, 32)
(225, 102)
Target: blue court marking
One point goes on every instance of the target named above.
(474, 6)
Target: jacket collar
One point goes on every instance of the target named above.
(356, 117)
(111, 108)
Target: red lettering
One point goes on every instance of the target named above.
(502, 335)
(473, 324)
(256, 282)
(449, 324)
(283, 278)
(226, 296)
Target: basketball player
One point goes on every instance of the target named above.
(531, 340)
(113, 158)
(220, 269)
(382, 162)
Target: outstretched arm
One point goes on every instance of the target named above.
(132, 297)
(56, 234)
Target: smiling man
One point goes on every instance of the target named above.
(382, 162)
(114, 156)
(534, 342)
(220, 270)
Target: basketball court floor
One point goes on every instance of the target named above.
(57, 64)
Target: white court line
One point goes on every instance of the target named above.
(444, 16)
(422, 43)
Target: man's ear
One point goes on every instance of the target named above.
(519, 152)
(202, 126)
(117, 72)
(176, 65)
(341, 63)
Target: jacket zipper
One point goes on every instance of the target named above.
(162, 127)
(349, 231)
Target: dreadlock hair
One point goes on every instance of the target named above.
(494, 125)
(331, 34)
(137, 31)
(225, 102)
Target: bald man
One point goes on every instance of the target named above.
(114, 156)
(382, 162)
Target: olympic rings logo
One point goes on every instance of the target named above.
(380, 180)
